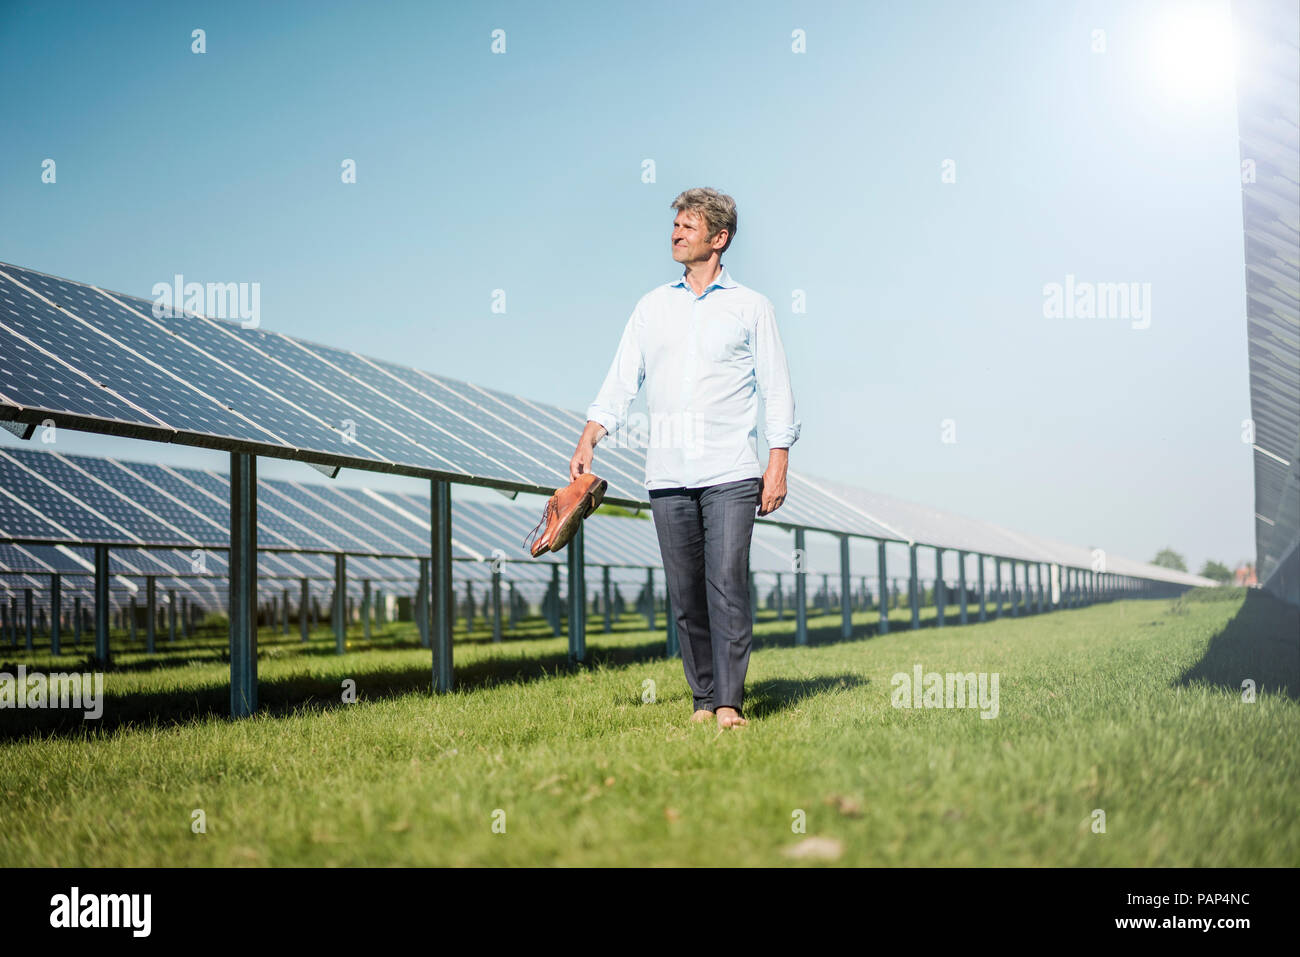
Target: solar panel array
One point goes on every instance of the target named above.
(133, 500)
(1269, 119)
(30, 567)
(75, 498)
(933, 527)
(100, 361)
(90, 359)
(56, 498)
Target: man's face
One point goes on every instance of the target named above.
(690, 238)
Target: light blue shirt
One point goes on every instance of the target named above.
(704, 360)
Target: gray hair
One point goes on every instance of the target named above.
(717, 209)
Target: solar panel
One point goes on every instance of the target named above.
(623, 468)
(273, 495)
(169, 404)
(71, 520)
(168, 482)
(419, 443)
(33, 379)
(263, 356)
(351, 509)
(273, 528)
(457, 415)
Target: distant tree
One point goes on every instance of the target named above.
(1168, 558)
(621, 512)
(1216, 570)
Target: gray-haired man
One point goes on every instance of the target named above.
(704, 346)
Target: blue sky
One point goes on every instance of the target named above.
(522, 171)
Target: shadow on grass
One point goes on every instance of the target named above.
(1261, 642)
(775, 695)
(280, 696)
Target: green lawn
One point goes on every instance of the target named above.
(1133, 708)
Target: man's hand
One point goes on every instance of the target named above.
(586, 451)
(771, 487)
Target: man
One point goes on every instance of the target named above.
(704, 345)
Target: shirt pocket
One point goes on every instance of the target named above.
(723, 338)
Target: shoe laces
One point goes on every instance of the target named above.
(546, 513)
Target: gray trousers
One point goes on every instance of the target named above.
(704, 536)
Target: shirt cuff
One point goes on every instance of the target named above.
(783, 438)
(605, 419)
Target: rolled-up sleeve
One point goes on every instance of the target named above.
(773, 375)
(623, 381)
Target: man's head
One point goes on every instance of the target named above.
(705, 224)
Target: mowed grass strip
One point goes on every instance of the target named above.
(1131, 708)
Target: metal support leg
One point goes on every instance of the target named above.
(650, 598)
(577, 599)
(304, 611)
(605, 599)
(102, 655)
(800, 590)
(939, 595)
(884, 588)
(366, 606)
(555, 599)
(422, 603)
(496, 602)
(846, 588)
(440, 584)
(997, 588)
(29, 628)
(984, 616)
(914, 587)
(339, 616)
(961, 583)
(56, 612)
(243, 584)
(151, 614)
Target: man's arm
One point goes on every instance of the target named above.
(782, 428)
(608, 413)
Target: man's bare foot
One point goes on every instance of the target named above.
(701, 715)
(729, 717)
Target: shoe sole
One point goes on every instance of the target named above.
(597, 495)
(569, 527)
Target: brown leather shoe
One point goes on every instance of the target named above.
(543, 541)
(566, 509)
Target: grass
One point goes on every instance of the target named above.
(1134, 708)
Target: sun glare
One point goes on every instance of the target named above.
(1193, 53)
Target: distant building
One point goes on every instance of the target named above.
(1245, 575)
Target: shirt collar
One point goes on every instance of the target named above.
(723, 281)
